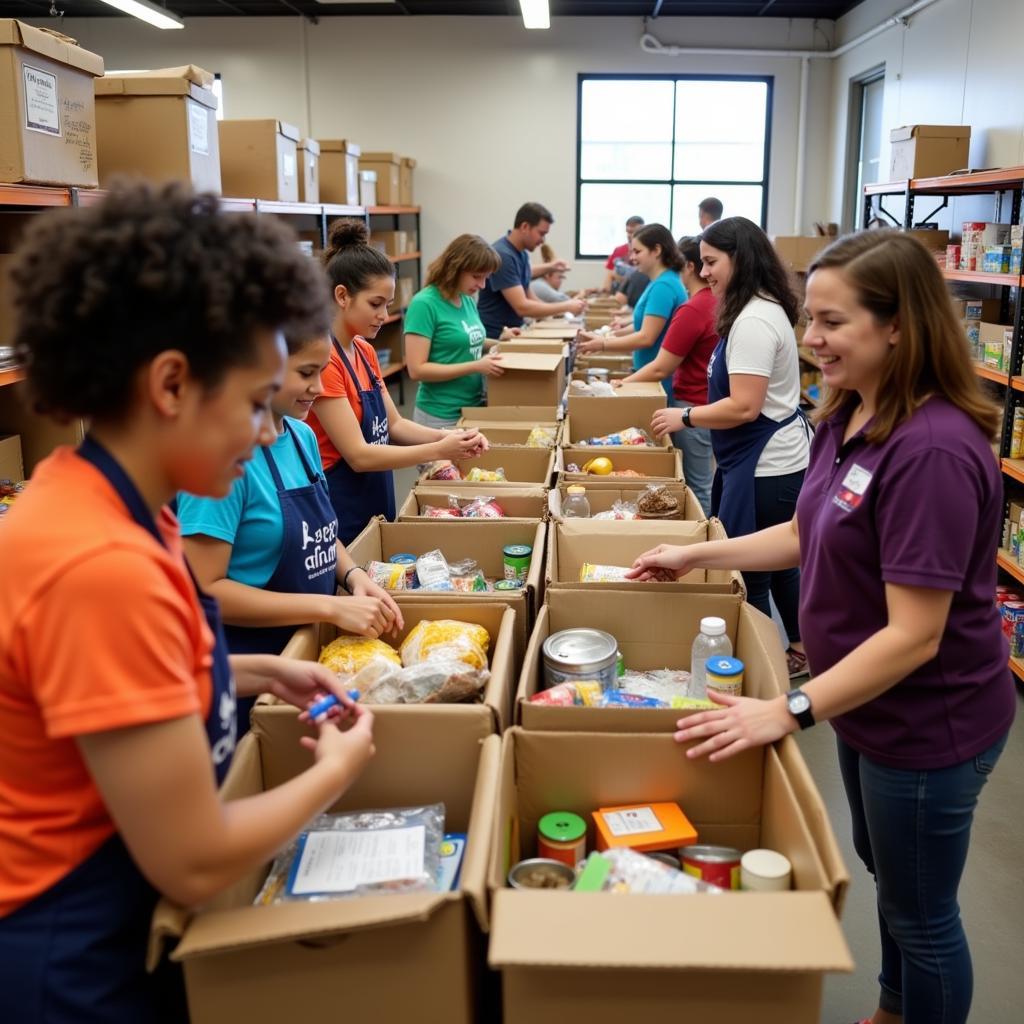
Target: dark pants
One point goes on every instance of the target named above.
(912, 830)
(774, 503)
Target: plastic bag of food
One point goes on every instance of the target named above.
(657, 503)
(619, 699)
(446, 639)
(485, 476)
(591, 573)
(631, 473)
(442, 680)
(663, 684)
(441, 512)
(587, 693)
(483, 508)
(621, 870)
(389, 575)
(348, 654)
(443, 469)
(627, 436)
(620, 510)
(432, 571)
(541, 437)
(378, 682)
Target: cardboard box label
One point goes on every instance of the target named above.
(198, 128)
(42, 104)
(288, 163)
(635, 820)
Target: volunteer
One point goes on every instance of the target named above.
(444, 336)
(689, 341)
(362, 436)
(268, 551)
(655, 254)
(896, 531)
(116, 690)
(758, 433)
(617, 266)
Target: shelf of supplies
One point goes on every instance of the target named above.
(391, 369)
(998, 376)
(996, 180)
(289, 209)
(34, 195)
(1017, 668)
(383, 210)
(1006, 562)
(405, 256)
(886, 188)
(11, 375)
(1014, 468)
(339, 210)
(979, 277)
(1017, 383)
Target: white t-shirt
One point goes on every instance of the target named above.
(762, 344)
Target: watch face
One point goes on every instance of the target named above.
(799, 703)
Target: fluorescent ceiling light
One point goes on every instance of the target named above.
(143, 9)
(536, 13)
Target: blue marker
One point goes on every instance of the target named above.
(319, 710)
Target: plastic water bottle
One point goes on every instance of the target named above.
(576, 505)
(710, 642)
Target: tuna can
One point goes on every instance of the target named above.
(562, 835)
(541, 873)
(517, 562)
(409, 561)
(719, 865)
(724, 675)
(572, 655)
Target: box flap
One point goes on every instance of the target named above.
(310, 145)
(381, 158)
(186, 72)
(529, 414)
(115, 86)
(531, 361)
(289, 131)
(791, 931)
(339, 146)
(49, 43)
(930, 131)
(408, 161)
(481, 826)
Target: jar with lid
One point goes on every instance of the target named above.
(576, 505)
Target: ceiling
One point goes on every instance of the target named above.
(826, 9)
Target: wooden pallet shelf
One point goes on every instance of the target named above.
(978, 277)
(1014, 468)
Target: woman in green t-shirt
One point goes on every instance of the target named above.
(444, 336)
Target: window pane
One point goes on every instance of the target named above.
(626, 128)
(720, 130)
(605, 208)
(738, 200)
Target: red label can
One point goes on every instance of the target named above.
(719, 865)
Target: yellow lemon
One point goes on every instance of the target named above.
(600, 466)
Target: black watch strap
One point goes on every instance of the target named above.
(686, 416)
(799, 705)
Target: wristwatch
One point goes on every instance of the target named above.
(686, 416)
(799, 705)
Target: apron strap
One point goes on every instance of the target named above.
(375, 382)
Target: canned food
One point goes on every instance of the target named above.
(409, 562)
(765, 871)
(719, 865)
(724, 675)
(517, 562)
(572, 655)
(666, 858)
(562, 835)
(541, 873)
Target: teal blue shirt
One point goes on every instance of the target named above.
(249, 518)
(662, 297)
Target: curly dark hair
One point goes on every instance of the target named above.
(756, 270)
(100, 291)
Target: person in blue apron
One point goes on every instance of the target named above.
(362, 435)
(269, 551)
(117, 693)
(759, 435)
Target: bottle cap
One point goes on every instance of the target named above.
(577, 489)
(713, 626)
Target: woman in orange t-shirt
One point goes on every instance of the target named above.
(117, 695)
(362, 435)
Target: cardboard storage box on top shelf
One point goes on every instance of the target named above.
(798, 251)
(47, 107)
(259, 158)
(602, 497)
(523, 504)
(495, 706)
(483, 542)
(388, 169)
(928, 150)
(731, 958)
(12, 466)
(521, 466)
(509, 415)
(572, 542)
(367, 188)
(933, 241)
(528, 379)
(161, 125)
(405, 178)
(339, 172)
(385, 957)
(652, 464)
(598, 417)
(309, 170)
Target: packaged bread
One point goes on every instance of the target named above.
(446, 638)
(348, 654)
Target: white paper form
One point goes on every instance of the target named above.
(341, 861)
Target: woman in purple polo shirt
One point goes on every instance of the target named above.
(895, 534)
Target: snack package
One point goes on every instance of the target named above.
(590, 573)
(432, 571)
(446, 639)
(631, 473)
(665, 685)
(482, 508)
(340, 856)
(620, 699)
(620, 510)
(657, 503)
(389, 575)
(346, 655)
(485, 476)
(443, 470)
(541, 437)
(440, 680)
(628, 436)
(439, 512)
(623, 870)
(585, 693)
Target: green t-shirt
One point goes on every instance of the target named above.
(456, 336)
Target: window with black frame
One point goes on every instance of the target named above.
(654, 146)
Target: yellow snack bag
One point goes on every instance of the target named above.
(446, 638)
(348, 654)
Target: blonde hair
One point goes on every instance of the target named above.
(467, 254)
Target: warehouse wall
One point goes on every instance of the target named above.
(487, 108)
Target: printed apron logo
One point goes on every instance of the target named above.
(851, 492)
(324, 557)
(225, 746)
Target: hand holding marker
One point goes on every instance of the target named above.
(318, 711)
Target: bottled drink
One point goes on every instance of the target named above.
(576, 505)
(710, 642)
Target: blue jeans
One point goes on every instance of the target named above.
(912, 830)
(698, 463)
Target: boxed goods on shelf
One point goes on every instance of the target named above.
(242, 961)
(528, 379)
(391, 243)
(731, 957)
(977, 309)
(995, 341)
(604, 496)
(405, 288)
(388, 169)
(519, 503)
(976, 238)
(996, 259)
(259, 158)
(309, 171)
(405, 177)
(934, 241)
(928, 150)
(159, 124)
(339, 172)
(47, 107)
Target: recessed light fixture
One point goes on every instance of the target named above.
(150, 13)
(536, 13)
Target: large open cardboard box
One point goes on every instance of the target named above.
(521, 466)
(539, 346)
(509, 415)
(602, 496)
(732, 958)
(572, 542)
(519, 503)
(529, 378)
(512, 435)
(383, 957)
(482, 541)
(653, 464)
(596, 417)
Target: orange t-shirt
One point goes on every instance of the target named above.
(338, 384)
(100, 629)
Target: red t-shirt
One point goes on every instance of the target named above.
(691, 334)
(620, 252)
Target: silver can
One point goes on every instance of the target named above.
(541, 873)
(573, 655)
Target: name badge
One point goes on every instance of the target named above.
(851, 491)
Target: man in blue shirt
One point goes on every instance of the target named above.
(508, 297)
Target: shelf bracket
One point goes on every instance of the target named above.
(932, 213)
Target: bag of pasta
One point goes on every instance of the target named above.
(446, 638)
(348, 654)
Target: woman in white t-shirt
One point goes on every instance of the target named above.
(759, 435)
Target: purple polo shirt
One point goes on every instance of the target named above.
(923, 509)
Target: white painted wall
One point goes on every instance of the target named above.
(487, 108)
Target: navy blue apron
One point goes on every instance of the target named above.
(76, 953)
(308, 562)
(358, 497)
(737, 451)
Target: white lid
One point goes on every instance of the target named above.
(713, 626)
(577, 489)
(766, 864)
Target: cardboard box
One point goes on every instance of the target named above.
(259, 158)
(604, 362)
(539, 346)
(405, 191)
(339, 172)
(798, 251)
(977, 309)
(405, 288)
(995, 341)
(12, 467)
(572, 542)
(928, 150)
(480, 415)
(933, 241)
(521, 466)
(996, 259)
(483, 542)
(657, 633)
(529, 379)
(595, 417)
(367, 188)
(557, 328)
(161, 125)
(6, 300)
(603, 496)
(291, 960)
(391, 243)
(635, 389)
(309, 170)
(499, 621)
(519, 503)
(516, 435)
(653, 465)
(47, 107)
(728, 957)
(388, 169)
